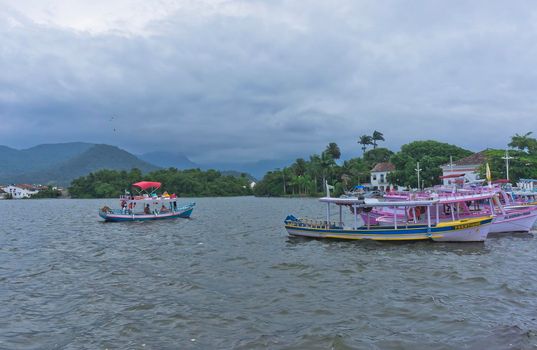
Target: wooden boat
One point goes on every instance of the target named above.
(464, 230)
(147, 205)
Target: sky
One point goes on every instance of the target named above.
(232, 81)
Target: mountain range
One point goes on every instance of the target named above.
(63, 162)
(60, 163)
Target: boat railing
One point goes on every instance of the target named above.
(318, 224)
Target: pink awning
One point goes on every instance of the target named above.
(144, 185)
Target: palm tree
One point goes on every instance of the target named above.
(333, 150)
(521, 141)
(365, 140)
(299, 167)
(326, 164)
(314, 168)
(377, 136)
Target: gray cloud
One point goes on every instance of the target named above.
(275, 80)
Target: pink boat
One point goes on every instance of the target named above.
(459, 203)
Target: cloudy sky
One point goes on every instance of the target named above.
(235, 80)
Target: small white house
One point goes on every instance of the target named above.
(379, 176)
(20, 191)
(466, 167)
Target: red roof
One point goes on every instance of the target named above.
(25, 186)
(144, 185)
(475, 159)
(501, 181)
(381, 167)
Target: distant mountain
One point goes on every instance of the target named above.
(180, 161)
(257, 169)
(169, 160)
(40, 157)
(60, 163)
(69, 164)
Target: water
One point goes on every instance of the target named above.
(230, 278)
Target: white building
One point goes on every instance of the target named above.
(466, 169)
(20, 191)
(379, 176)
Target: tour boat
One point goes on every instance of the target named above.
(456, 204)
(464, 230)
(147, 205)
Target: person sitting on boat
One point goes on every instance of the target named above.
(163, 209)
(147, 210)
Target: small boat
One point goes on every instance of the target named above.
(147, 205)
(465, 230)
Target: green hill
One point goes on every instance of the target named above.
(70, 164)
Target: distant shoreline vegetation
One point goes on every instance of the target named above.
(306, 177)
(185, 183)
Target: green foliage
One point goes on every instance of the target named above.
(430, 154)
(333, 150)
(365, 140)
(522, 166)
(377, 136)
(185, 183)
(377, 155)
(48, 192)
(307, 178)
(524, 142)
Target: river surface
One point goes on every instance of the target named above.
(231, 278)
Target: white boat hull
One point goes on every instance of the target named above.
(514, 222)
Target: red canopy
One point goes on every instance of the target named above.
(451, 176)
(144, 185)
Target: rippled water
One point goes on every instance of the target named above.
(231, 278)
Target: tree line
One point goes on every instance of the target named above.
(185, 183)
(305, 177)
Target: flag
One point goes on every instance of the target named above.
(489, 176)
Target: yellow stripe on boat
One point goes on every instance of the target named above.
(464, 223)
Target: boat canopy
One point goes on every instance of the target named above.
(144, 185)
(365, 204)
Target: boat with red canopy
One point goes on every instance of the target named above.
(143, 203)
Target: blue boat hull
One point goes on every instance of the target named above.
(115, 216)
